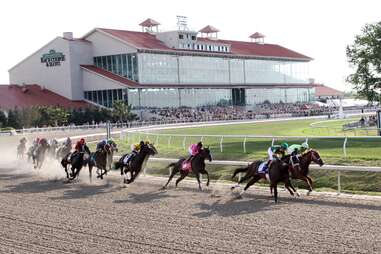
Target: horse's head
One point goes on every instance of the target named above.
(206, 154)
(149, 149)
(315, 157)
(107, 148)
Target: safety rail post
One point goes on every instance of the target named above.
(202, 138)
(338, 181)
(244, 145)
(169, 141)
(306, 141)
(345, 147)
(272, 142)
(222, 138)
(184, 140)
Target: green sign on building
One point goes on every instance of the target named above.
(52, 58)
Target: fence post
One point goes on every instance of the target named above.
(169, 141)
(202, 138)
(345, 147)
(272, 142)
(222, 138)
(244, 145)
(338, 182)
(306, 140)
(184, 140)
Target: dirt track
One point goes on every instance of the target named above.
(42, 215)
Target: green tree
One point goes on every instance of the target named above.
(14, 119)
(122, 111)
(3, 119)
(364, 55)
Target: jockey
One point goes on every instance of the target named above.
(193, 150)
(135, 148)
(295, 150)
(275, 152)
(80, 147)
(101, 145)
(43, 141)
(36, 141)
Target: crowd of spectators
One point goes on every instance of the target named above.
(259, 111)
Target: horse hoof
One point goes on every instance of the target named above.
(308, 193)
(239, 197)
(298, 195)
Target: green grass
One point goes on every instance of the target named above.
(363, 151)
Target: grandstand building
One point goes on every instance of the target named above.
(152, 68)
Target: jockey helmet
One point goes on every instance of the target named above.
(199, 144)
(284, 145)
(82, 141)
(110, 141)
(305, 145)
(147, 142)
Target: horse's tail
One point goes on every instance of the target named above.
(240, 170)
(171, 165)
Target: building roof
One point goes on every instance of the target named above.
(257, 35)
(149, 23)
(12, 96)
(147, 41)
(132, 84)
(209, 29)
(322, 90)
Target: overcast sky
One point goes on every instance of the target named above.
(319, 29)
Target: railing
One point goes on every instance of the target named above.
(337, 168)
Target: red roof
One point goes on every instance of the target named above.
(142, 40)
(12, 96)
(137, 39)
(322, 90)
(209, 29)
(132, 84)
(256, 35)
(149, 23)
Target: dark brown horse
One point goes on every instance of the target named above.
(137, 162)
(100, 160)
(301, 171)
(278, 172)
(198, 167)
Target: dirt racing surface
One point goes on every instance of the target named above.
(41, 214)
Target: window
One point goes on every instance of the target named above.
(193, 37)
(198, 47)
(181, 36)
(187, 36)
(210, 47)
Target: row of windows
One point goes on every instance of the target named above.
(188, 36)
(204, 47)
(124, 65)
(106, 97)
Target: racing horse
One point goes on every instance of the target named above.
(110, 155)
(76, 162)
(302, 171)
(137, 162)
(21, 148)
(38, 154)
(99, 159)
(197, 167)
(278, 172)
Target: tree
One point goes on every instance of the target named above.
(3, 119)
(122, 111)
(14, 119)
(365, 57)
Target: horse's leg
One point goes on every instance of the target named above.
(182, 176)
(309, 183)
(173, 173)
(253, 180)
(305, 179)
(90, 172)
(207, 174)
(247, 176)
(275, 191)
(198, 181)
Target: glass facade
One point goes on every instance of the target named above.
(277, 95)
(160, 68)
(125, 65)
(106, 97)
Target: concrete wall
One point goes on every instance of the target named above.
(55, 78)
(94, 82)
(104, 45)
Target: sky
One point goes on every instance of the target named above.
(319, 29)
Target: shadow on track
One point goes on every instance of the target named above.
(82, 191)
(36, 186)
(137, 198)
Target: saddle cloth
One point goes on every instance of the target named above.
(263, 168)
(186, 166)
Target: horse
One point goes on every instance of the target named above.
(136, 163)
(302, 171)
(76, 162)
(63, 151)
(197, 167)
(38, 155)
(100, 161)
(53, 147)
(21, 150)
(110, 156)
(278, 172)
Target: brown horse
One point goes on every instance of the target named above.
(301, 171)
(278, 172)
(198, 167)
